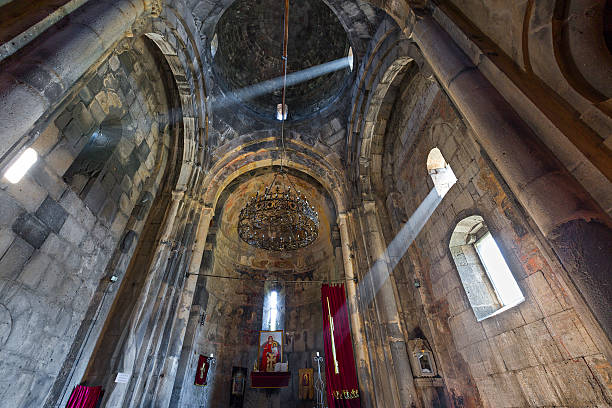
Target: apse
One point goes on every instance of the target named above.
(249, 289)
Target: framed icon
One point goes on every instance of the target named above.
(270, 349)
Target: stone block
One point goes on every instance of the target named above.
(60, 159)
(95, 198)
(543, 294)
(51, 279)
(52, 214)
(575, 384)
(72, 231)
(72, 132)
(85, 95)
(529, 308)
(570, 334)
(14, 258)
(48, 180)
(9, 209)
(542, 343)
(602, 370)
(56, 248)
(505, 321)
(46, 140)
(34, 270)
(536, 387)
(63, 118)
(501, 391)
(27, 193)
(118, 225)
(31, 229)
(515, 350)
(82, 118)
(6, 239)
(466, 330)
(481, 359)
(457, 301)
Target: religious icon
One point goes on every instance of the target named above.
(270, 349)
(202, 370)
(239, 375)
(306, 388)
(238, 381)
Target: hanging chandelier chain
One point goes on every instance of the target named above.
(284, 65)
(279, 219)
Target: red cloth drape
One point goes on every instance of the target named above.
(84, 397)
(342, 387)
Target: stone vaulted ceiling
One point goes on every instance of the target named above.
(235, 258)
(250, 48)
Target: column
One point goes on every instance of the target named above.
(364, 371)
(578, 230)
(166, 384)
(381, 276)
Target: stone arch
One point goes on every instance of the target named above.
(578, 38)
(194, 108)
(265, 153)
(388, 61)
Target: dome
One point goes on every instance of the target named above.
(249, 35)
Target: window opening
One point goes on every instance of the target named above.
(485, 276)
(273, 309)
(497, 269)
(214, 45)
(440, 171)
(20, 167)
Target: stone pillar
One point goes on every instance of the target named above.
(380, 276)
(578, 230)
(166, 384)
(358, 333)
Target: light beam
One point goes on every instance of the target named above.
(266, 87)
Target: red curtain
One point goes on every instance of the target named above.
(84, 397)
(340, 373)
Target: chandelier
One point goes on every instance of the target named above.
(279, 219)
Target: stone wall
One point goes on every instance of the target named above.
(58, 238)
(539, 353)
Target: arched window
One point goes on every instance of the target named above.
(488, 282)
(214, 45)
(274, 307)
(440, 171)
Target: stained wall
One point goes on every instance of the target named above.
(61, 241)
(538, 353)
(231, 302)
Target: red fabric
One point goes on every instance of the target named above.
(342, 388)
(201, 377)
(261, 379)
(84, 397)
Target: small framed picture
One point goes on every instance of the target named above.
(270, 349)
